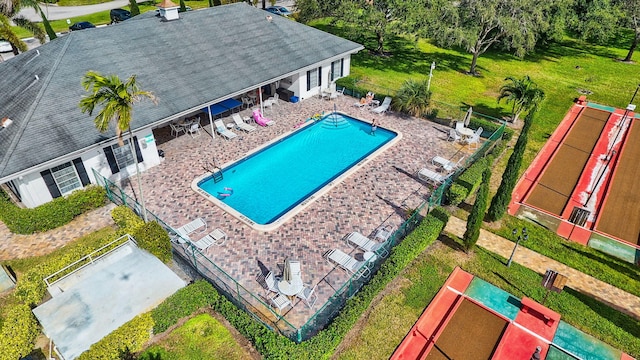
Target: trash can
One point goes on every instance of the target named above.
(294, 99)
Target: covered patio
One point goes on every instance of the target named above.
(382, 192)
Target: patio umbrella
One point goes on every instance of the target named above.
(286, 275)
(467, 116)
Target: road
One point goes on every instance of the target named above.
(54, 12)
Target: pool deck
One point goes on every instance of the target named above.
(379, 193)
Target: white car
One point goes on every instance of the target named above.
(5, 46)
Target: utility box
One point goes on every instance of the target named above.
(285, 94)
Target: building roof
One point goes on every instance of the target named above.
(189, 63)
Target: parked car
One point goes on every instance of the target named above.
(81, 26)
(118, 15)
(5, 46)
(279, 10)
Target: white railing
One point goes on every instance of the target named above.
(88, 259)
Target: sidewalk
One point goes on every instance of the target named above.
(599, 290)
(15, 246)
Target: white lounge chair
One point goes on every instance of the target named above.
(446, 164)
(308, 295)
(383, 233)
(216, 237)
(356, 239)
(223, 131)
(431, 176)
(240, 124)
(384, 106)
(191, 227)
(347, 263)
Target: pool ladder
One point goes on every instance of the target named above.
(217, 176)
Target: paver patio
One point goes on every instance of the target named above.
(379, 193)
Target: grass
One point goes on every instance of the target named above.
(201, 337)
(590, 261)
(410, 293)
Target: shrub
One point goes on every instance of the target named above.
(126, 219)
(413, 98)
(18, 333)
(53, 214)
(466, 183)
(129, 337)
(153, 238)
(183, 303)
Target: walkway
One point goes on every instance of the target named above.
(15, 246)
(599, 290)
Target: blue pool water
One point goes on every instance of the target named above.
(493, 297)
(272, 181)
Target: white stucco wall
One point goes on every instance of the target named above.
(33, 189)
(326, 70)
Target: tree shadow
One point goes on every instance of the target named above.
(399, 210)
(451, 242)
(507, 281)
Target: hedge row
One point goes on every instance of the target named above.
(467, 183)
(51, 215)
(129, 337)
(18, 334)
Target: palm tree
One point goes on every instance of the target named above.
(117, 100)
(523, 93)
(9, 10)
(413, 97)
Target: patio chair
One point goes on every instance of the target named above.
(383, 233)
(475, 139)
(280, 302)
(384, 106)
(176, 129)
(268, 282)
(453, 135)
(247, 102)
(357, 240)
(350, 265)
(308, 295)
(432, 177)
(194, 130)
(459, 127)
(295, 268)
(221, 129)
(216, 237)
(240, 124)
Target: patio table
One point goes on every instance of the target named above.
(291, 287)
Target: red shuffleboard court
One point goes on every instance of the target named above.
(584, 182)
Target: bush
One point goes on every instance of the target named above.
(126, 219)
(466, 183)
(129, 337)
(18, 334)
(474, 221)
(183, 303)
(53, 214)
(153, 238)
(413, 98)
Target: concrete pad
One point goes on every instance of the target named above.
(103, 296)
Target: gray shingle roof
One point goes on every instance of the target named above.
(200, 58)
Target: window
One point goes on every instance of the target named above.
(123, 154)
(336, 69)
(119, 157)
(66, 178)
(314, 78)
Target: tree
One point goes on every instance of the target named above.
(117, 100)
(502, 198)
(523, 93)
(631, 9)
(9, 10)
(478, 25)
(135, 10)
(413, 97)
(474, 221)
(596, 21)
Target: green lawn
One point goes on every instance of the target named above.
(202, 337)
(410, 293)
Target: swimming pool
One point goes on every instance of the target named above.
(279, 179)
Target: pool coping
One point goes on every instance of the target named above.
(309, 200)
